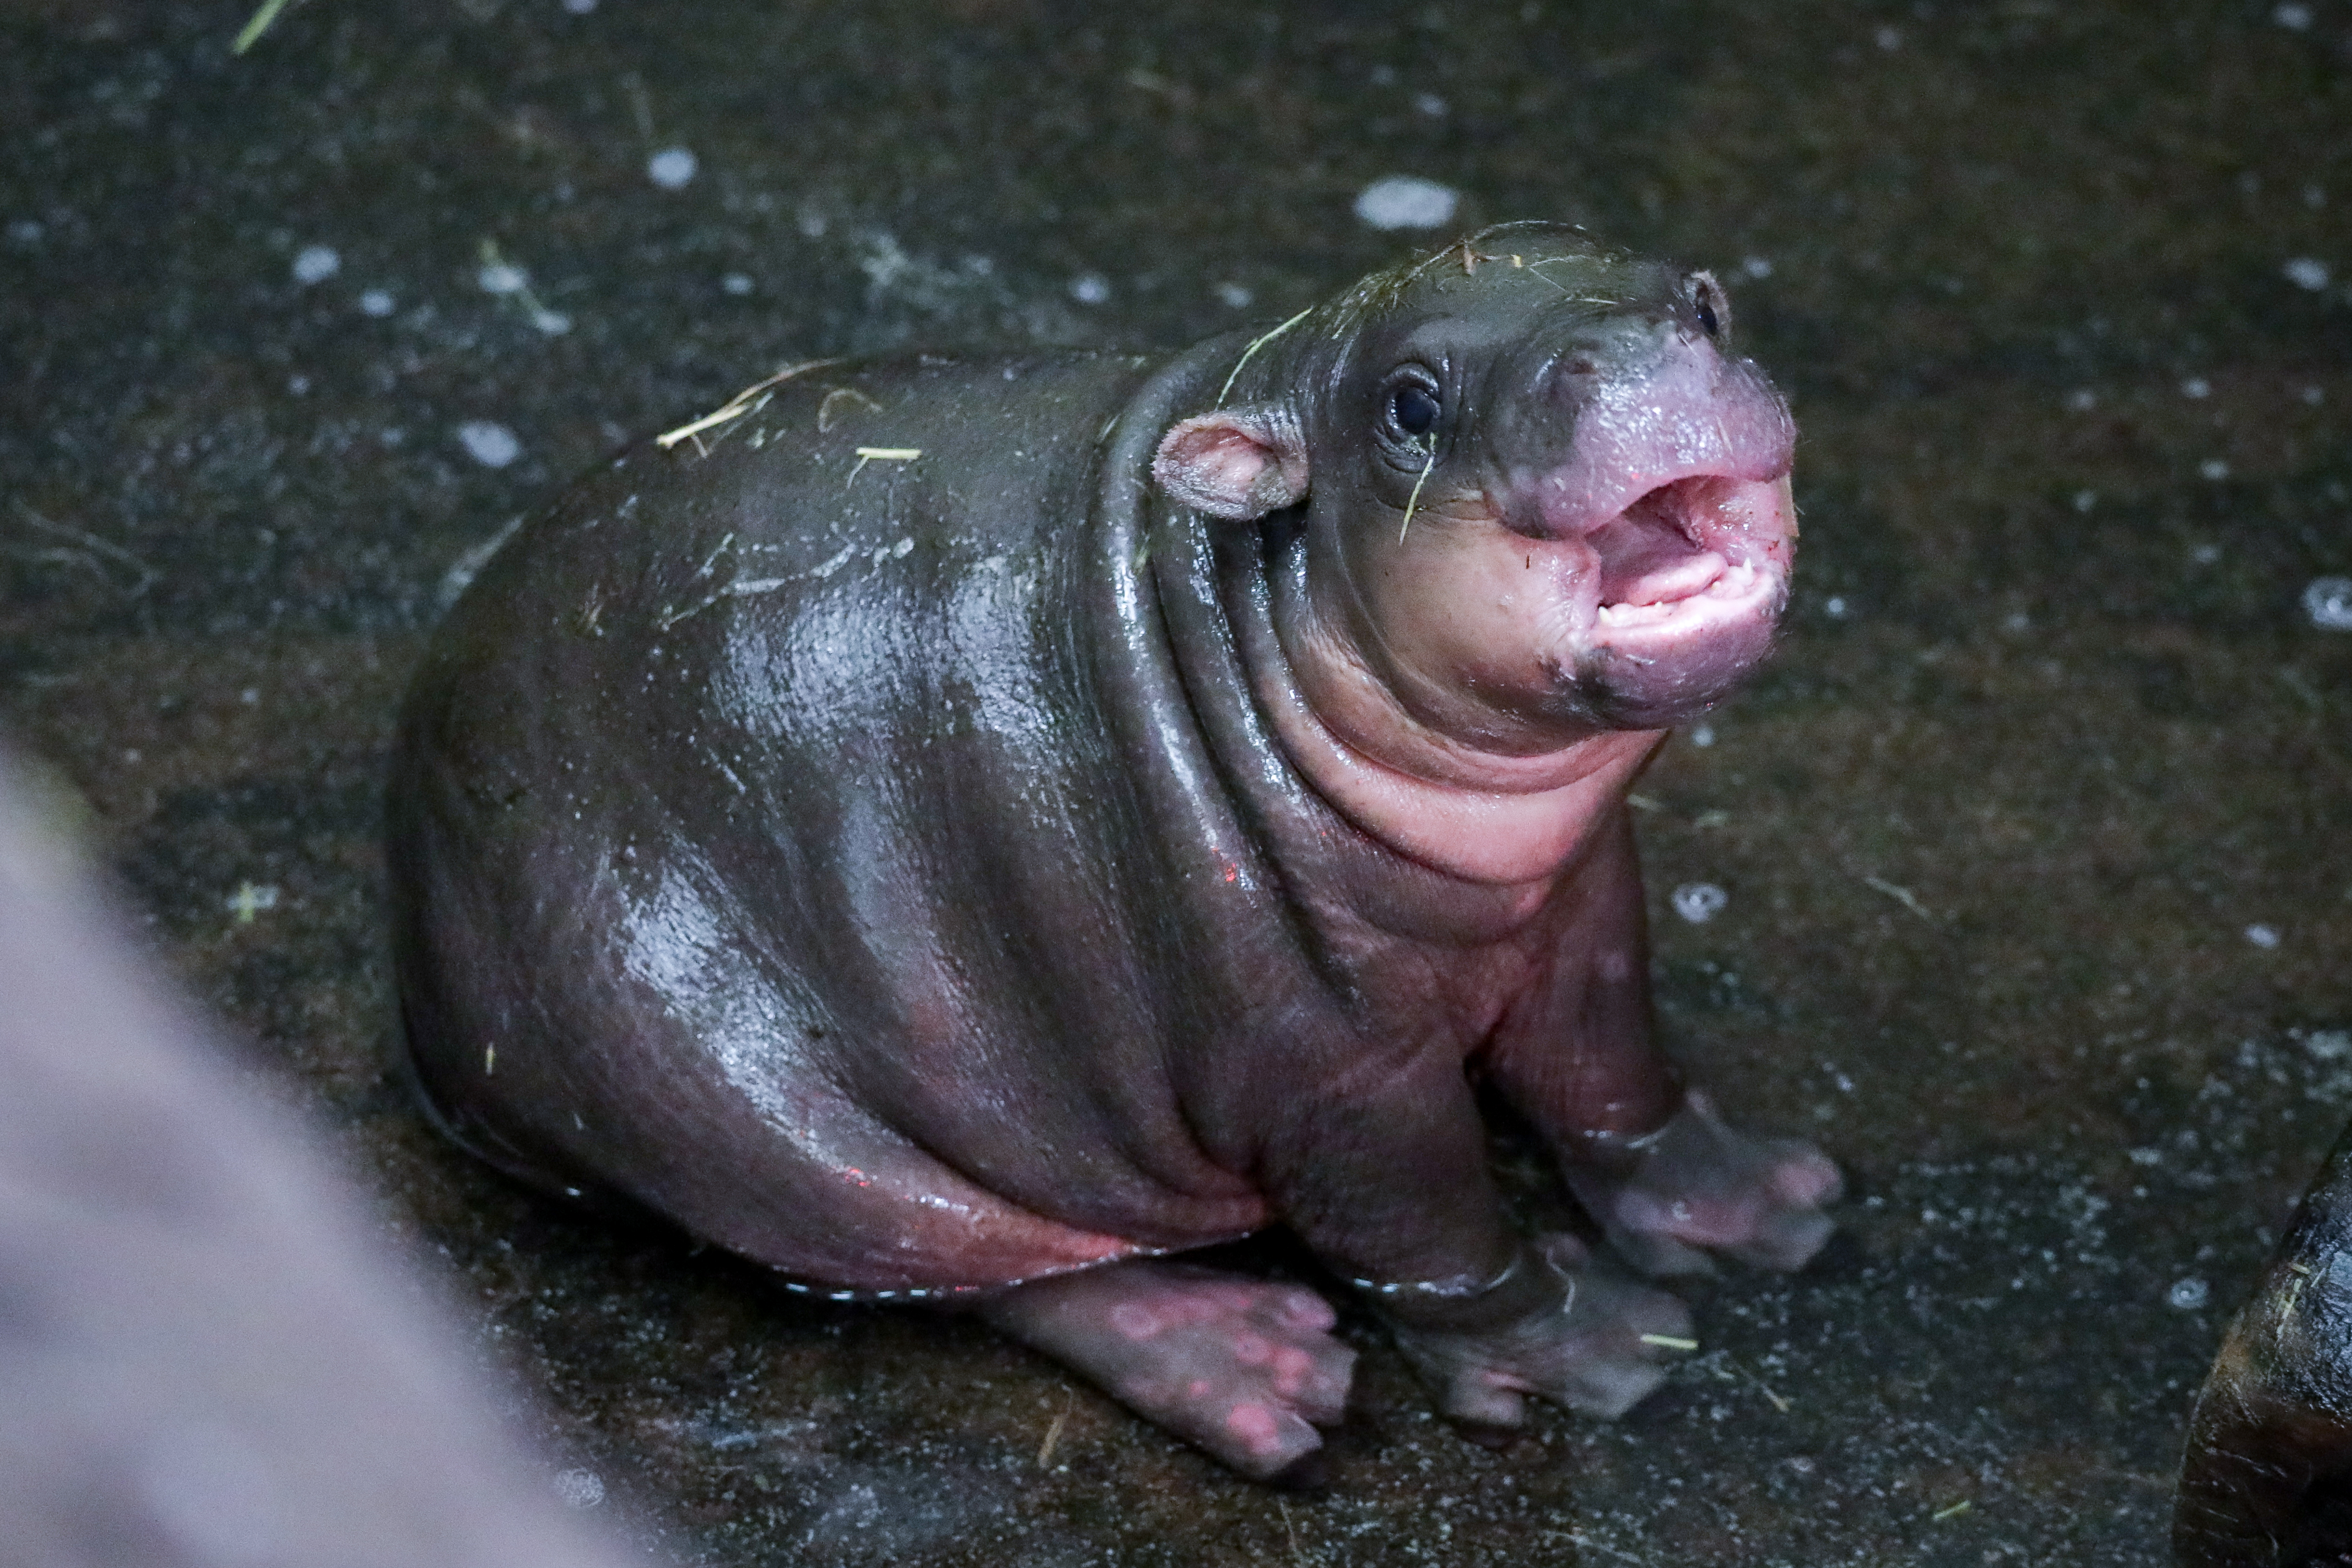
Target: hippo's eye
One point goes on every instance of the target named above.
(1414, 408)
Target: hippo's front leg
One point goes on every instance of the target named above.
(1390, 1185)
(1668, 1178)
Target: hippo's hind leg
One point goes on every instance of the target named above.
(1244, 1369)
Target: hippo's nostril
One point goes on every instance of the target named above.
(1709, 304)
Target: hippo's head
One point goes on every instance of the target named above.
(1542, 496)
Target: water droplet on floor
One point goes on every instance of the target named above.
(316, 263)
(1698, 903)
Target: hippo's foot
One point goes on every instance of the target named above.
(1598, 1352)
(1700, 1184)
(1244, 1369)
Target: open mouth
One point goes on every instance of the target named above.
(1682, 549)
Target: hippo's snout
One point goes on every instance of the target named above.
(1652, 406)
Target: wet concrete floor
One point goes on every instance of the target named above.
(2037, 839)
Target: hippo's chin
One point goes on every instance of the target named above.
(1658, 665)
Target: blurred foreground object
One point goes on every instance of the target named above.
(2267, 1479)
(205, 1357)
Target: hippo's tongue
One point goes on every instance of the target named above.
(1647, 555)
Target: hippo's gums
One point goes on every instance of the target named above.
(965, 829)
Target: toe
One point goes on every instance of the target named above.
(1476, 1395)
(1261, 1438)
(1809, 1181)
(1608, 1386)
(1787, 1241)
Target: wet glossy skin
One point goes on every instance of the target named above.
(1126, 825)
(2267, 1475)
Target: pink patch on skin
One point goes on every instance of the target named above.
(1134, 1319)
(1291, 1366)
(1255, 1425)
(1197, 1389)
(1253, 1350)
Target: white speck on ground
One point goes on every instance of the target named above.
(2293, 16)
(554, 323)
(2197, 387)
(27, 231)
(2308, 272)
(2329, 1045)
(1837, 607)
(672, 168)
(490, 443)
(1702, 735)
(1406, 201)
(297, 384)
(1090, 289)
(2214, 468)
(1235, 295)
(375, 302)
(2314, 396)
(2082, 400)
(2262, 936)
(2188, 1294)
(2328, 602)
(1429, 103)
(580, 7)
(1889, 37)
(580, 1489)
(2086, 499)
(2206, 554)
(502, 277)
(1756, 267)
(250, 899)
(737, 283)
(316, 263)
(1698, 903)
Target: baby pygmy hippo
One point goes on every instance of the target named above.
(967, 829)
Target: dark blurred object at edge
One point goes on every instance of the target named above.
(2267, 1479)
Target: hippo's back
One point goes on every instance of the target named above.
(756, 825)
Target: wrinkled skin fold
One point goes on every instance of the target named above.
(1130, 821)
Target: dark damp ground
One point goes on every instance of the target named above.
(2037, 839)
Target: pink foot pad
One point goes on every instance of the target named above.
(1243, 1369)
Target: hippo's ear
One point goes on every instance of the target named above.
(1240, 463)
